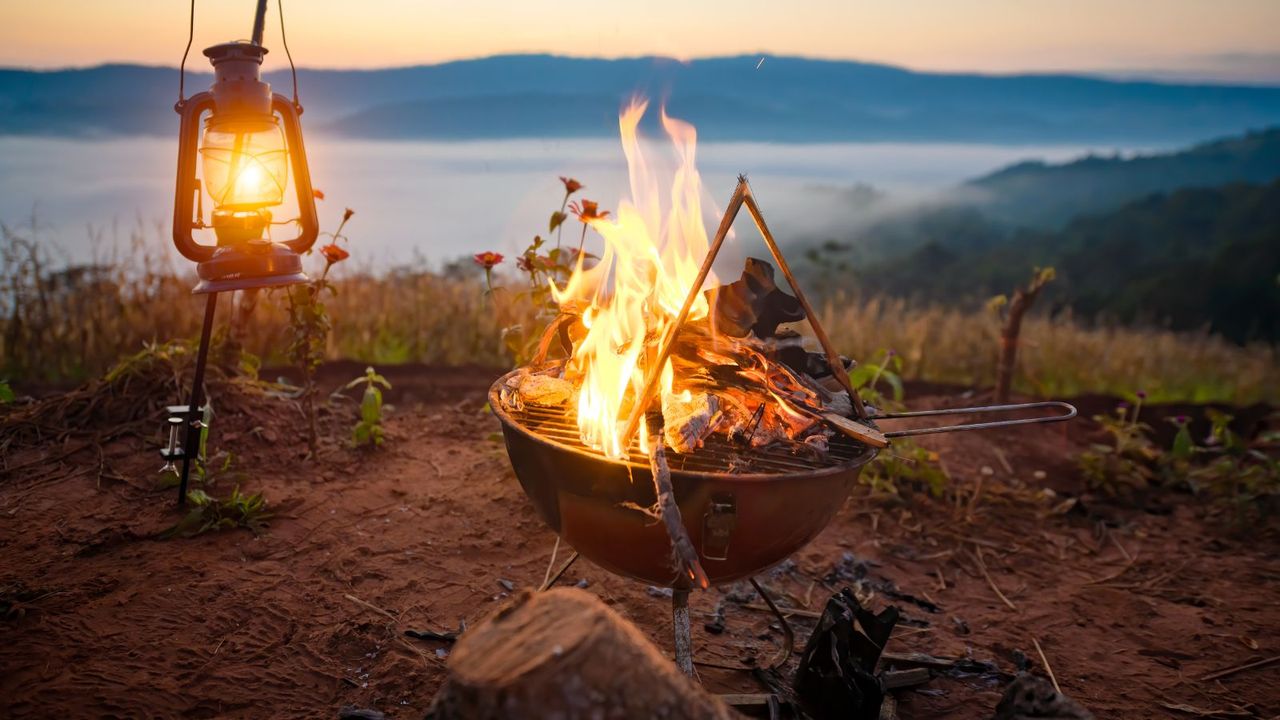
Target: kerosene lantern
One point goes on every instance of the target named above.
(250, 141)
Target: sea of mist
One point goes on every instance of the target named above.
(437, 201)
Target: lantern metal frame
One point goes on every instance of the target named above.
(243, 259)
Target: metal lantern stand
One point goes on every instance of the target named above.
(244, 258)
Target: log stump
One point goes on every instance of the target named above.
(565, 654)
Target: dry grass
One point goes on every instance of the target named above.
(67, 325)
(1060, 356)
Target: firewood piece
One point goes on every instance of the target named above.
(683, 551)
(753, 303)
(856, 430)
(564, 653)
(895, 679)
(686, 423)
(545, 390)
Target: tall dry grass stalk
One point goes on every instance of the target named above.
(1058, 356)
(63, 325)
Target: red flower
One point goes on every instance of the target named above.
(318, 193)
(346, 215)
(588, 211)
(571, 186)
(332, 253)
(488, 259)
(530, 262)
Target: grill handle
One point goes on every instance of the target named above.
(1069, 411)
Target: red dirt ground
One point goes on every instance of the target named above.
(1131, 605)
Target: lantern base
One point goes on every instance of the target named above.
(259, 263)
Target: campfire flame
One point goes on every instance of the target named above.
(653, 251)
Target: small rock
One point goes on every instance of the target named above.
(1029, 696)
(351, 712)
(507, 584)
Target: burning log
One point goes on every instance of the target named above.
(689, 419)
(539, 389)
(564, 653)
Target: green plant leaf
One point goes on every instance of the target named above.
(6, 392)
(862, 374)
(1183, 445)
(557, 219)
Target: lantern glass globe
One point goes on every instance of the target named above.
(245, 164)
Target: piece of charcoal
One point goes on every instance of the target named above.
(836, 677)
(753, 303)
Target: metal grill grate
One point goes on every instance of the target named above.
(717, 455)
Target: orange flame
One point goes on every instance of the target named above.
(653, 250)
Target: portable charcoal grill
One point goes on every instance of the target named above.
(744, 509)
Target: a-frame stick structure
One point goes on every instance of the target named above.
(741, 196)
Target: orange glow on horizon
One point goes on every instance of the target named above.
(1236, 36)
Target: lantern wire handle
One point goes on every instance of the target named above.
(284, 40)
(182, 68)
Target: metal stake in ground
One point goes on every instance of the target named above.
(195, 420)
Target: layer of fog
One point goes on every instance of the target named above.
(432, 202)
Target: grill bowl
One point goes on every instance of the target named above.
(740, 522)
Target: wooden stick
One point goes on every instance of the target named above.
(833, 358)
(898, 679)
(982, 566)
(654, 372)
(798, 612)
(1045, 661)
(551, 564)
(682, 548)
(1240, 668)
(683, 635)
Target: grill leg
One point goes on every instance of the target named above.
(195, 420)
(788, 635)
(684, 636)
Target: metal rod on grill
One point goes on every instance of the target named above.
(833, 358)
(654, 371)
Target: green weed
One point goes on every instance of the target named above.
(208, 513)
(368, 430)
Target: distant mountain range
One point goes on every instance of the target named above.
(730, 98)
(1038, 194)
(1190, 238)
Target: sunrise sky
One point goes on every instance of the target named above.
(1210, 39)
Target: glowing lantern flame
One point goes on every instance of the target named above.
(653, 250)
